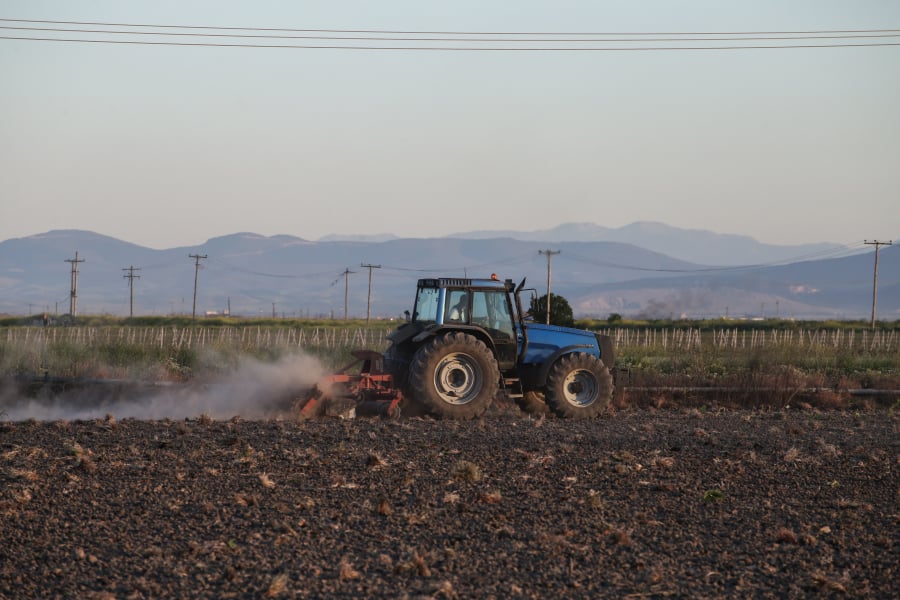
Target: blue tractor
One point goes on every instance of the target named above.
(468, 340)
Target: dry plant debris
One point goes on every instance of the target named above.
(643, 503)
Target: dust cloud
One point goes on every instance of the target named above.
(254, 390)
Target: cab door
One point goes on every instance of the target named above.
(491, 311)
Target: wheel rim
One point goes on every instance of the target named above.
(457, 378)
(580, 388)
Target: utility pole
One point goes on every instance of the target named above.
(73, 294)
(369, 299)
(130, 276)
(877, 244)
(347, 272)
(549, 254)
(273, 310)
(196, 258)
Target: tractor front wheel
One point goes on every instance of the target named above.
(579, 386)
(454, 376)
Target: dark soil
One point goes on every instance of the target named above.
(641, 503)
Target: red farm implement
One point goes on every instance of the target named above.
(362, 386)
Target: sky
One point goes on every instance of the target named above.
(169, 145)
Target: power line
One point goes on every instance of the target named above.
(830, 253)
(233, 267)
(171, 263)
(508, 261)
(369, 298)
(347, 272)
(196, 258)
(844, 250)
(73, 294)
(394, 38)
(130, 276)
(877, 244)
(443, 37)
(549, 254)
(449, 48)
(412, 32)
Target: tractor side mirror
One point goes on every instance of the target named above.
(406, 315)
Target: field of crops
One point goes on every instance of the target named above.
(93, 351)
(786, 359)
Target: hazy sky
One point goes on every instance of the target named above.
(170, 145)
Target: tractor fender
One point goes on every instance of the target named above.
(403, 333)
(540, 379)
(607, 354)
(426, 333)
(478, 332)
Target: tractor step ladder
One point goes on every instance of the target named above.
(513, 387)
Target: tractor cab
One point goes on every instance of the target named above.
(482, 302)
(482, 307)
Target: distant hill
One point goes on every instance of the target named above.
(692, 245)
(377, 237)
(254, 275)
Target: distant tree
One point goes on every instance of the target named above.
(614, 318)
(560, 311)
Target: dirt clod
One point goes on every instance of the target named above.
(637, 504)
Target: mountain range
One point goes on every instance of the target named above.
(647, 270)
(691, 245)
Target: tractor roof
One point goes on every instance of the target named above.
(445, 282)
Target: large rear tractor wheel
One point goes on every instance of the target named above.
(397, 359)
(579, 386)
(396, 362)
(454, 376)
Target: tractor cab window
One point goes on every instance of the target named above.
(426, 305)
(457, 306)
(490, 309)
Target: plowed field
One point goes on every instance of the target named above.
(641, 503)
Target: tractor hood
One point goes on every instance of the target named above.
(545, 340)
(557, 330)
